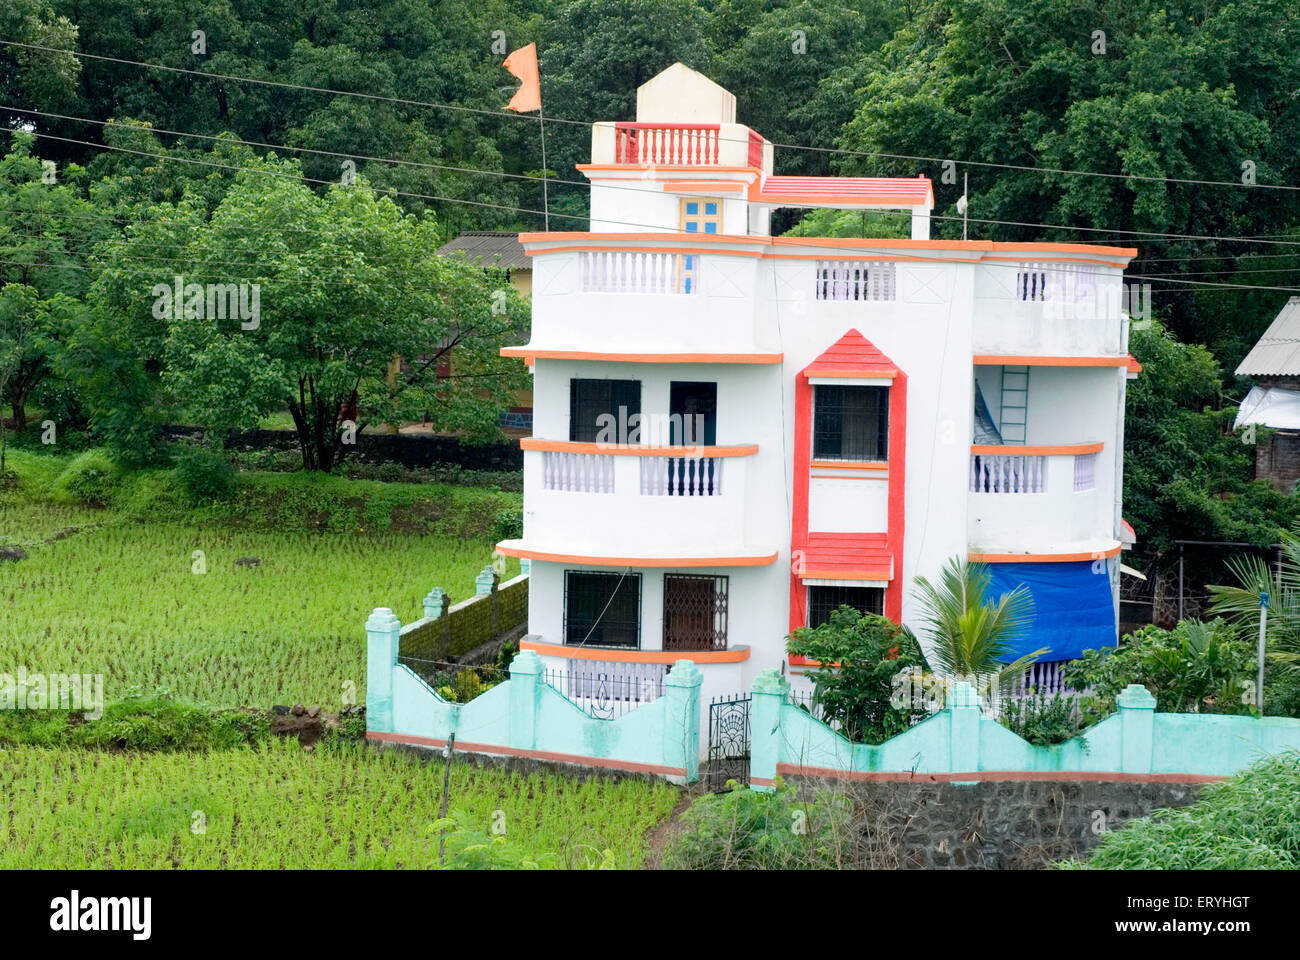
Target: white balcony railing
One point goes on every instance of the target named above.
(577, 472)
(1007, 473)
(855, 280)
(681, 476)
(1056, 282)
(624, 271)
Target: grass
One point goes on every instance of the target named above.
(279, 807)
(1248, 822)
(105, 591)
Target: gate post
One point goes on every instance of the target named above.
(525, 672)
(681, 743)
(769, 692)
(383, 640)
(963, 729)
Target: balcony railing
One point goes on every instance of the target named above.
(681, 476)
(1010, 469)
(674, 144)
(577, 472)
(622, 271)
(855, 280)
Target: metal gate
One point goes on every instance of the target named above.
(728, 742)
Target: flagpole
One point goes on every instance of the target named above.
(546, 205)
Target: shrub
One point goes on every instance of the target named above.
(1249, 822)
(206, 474)
(89, 478)
(507, 525)
(1195, 667)
(860, 657)
(145, 723)
(748, 830)
(1043, 719)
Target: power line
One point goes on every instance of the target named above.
(1062, 171)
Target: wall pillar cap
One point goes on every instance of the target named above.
(771, 681)
(526, 662)
(382, 618)
(684, 673)
(1135, 697)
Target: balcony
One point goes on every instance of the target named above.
(637, 505)
(1039, 500)
(719, 145)
(1048, 309)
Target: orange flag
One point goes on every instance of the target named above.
(523, 64)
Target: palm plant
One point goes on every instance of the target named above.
(970, 634)
(1240, 603)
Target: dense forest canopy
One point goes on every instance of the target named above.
(1169, 126)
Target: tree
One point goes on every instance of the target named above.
(1183, 90)
(333, 289)
(46, 230)
(859, 658)
(1186, 475)
(1240, 603)
(971, 635)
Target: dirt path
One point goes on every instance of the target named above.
(659, 836)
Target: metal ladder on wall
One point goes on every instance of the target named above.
(1015, 404)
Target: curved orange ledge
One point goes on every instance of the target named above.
(1049, 451)
(733, 655)
(1041, 557)
(1016, 360)
(530, 354)
(636, 450)
(527, 553)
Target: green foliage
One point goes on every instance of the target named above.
(508, 525)
(744, 829)
(206, 474)
(1194, 668)
(859, 659)
(89, 478)
(278, 807)
(1249, 822)
(157, 722)
(466, 684)
(972, 634)
(1241, 603)
(1042, 719)
(1186, 475)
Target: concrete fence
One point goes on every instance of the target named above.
(452, 630)
(526, 717)
(961, 744)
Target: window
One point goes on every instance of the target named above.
(602, 609)
(693, 410)
(825, 600)
(698, 216)
(695, 612)
(850, 422)
(590, 399)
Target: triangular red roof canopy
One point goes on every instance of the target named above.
(852, 355)
(848, 556)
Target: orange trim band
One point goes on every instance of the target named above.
(528, 353)
(1041, 557)
(834, 465)
(704, 186)
(635, 450)
(734, 655)
(1051, 451)
(528, 553)
(846, 373)
(882, 576)
(1019, 361)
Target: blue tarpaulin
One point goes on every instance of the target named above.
(1073, 607)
